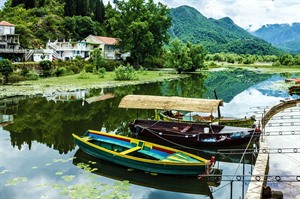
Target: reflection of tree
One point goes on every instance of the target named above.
(192, 86)
(53, 123)
(285, 75)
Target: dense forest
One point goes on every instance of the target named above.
(38, 21)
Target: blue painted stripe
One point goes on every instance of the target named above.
(110, 140)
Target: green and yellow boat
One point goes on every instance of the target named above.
(142, 155)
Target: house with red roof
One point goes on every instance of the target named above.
(107, 45)
(68, 50)
(8, 39)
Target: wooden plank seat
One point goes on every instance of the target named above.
(185, 129)
(130, 150)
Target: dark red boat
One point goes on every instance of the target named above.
(194, 135)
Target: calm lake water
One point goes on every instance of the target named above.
(38, 158)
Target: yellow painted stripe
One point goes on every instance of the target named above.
(130, 150)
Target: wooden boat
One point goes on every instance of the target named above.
(293, 80)
(174, 183)
(294, 90)
(194, 135)
(191, 117)
(142, 155)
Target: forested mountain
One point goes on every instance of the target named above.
(38, 21)
(221, 35)
(283, 36)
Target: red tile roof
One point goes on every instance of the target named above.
(107, 40)
(5, 23)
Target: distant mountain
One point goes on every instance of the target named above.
(222, 35)
(283, 36)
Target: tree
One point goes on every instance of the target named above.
(82, 7)
(185, 57)
(16, 2)
(70, 8)
(78, 27)
(141, 27)
(99, 11)
(46, 66)
(197, 54)
(98, 59)
(178, 56)
(6, 68)
(29, 4)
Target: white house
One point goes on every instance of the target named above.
(68, 50)
(43, 54)
(8, 38)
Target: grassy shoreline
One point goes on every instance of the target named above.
(262, 67)
(72, 82)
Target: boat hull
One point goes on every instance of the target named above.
(167, 131)
(149, 165)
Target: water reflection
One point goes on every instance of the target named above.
(41, 130)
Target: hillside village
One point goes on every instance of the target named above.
(58, 49)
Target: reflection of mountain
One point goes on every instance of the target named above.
(185, 184)
(229, 83)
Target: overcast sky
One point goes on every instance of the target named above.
(248, 14)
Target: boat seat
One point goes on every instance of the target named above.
(130, 150)
(185, 129)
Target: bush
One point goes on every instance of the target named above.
(13, 78)
(83, 75)
(142, 71)
(277, 63)
(24, 72)
(125, 73)
(32, 75)
(89, 68)
(111, 65)
(60, 71)
(46, 66)
(101, 72)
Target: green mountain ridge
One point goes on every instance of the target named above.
(221, 35)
